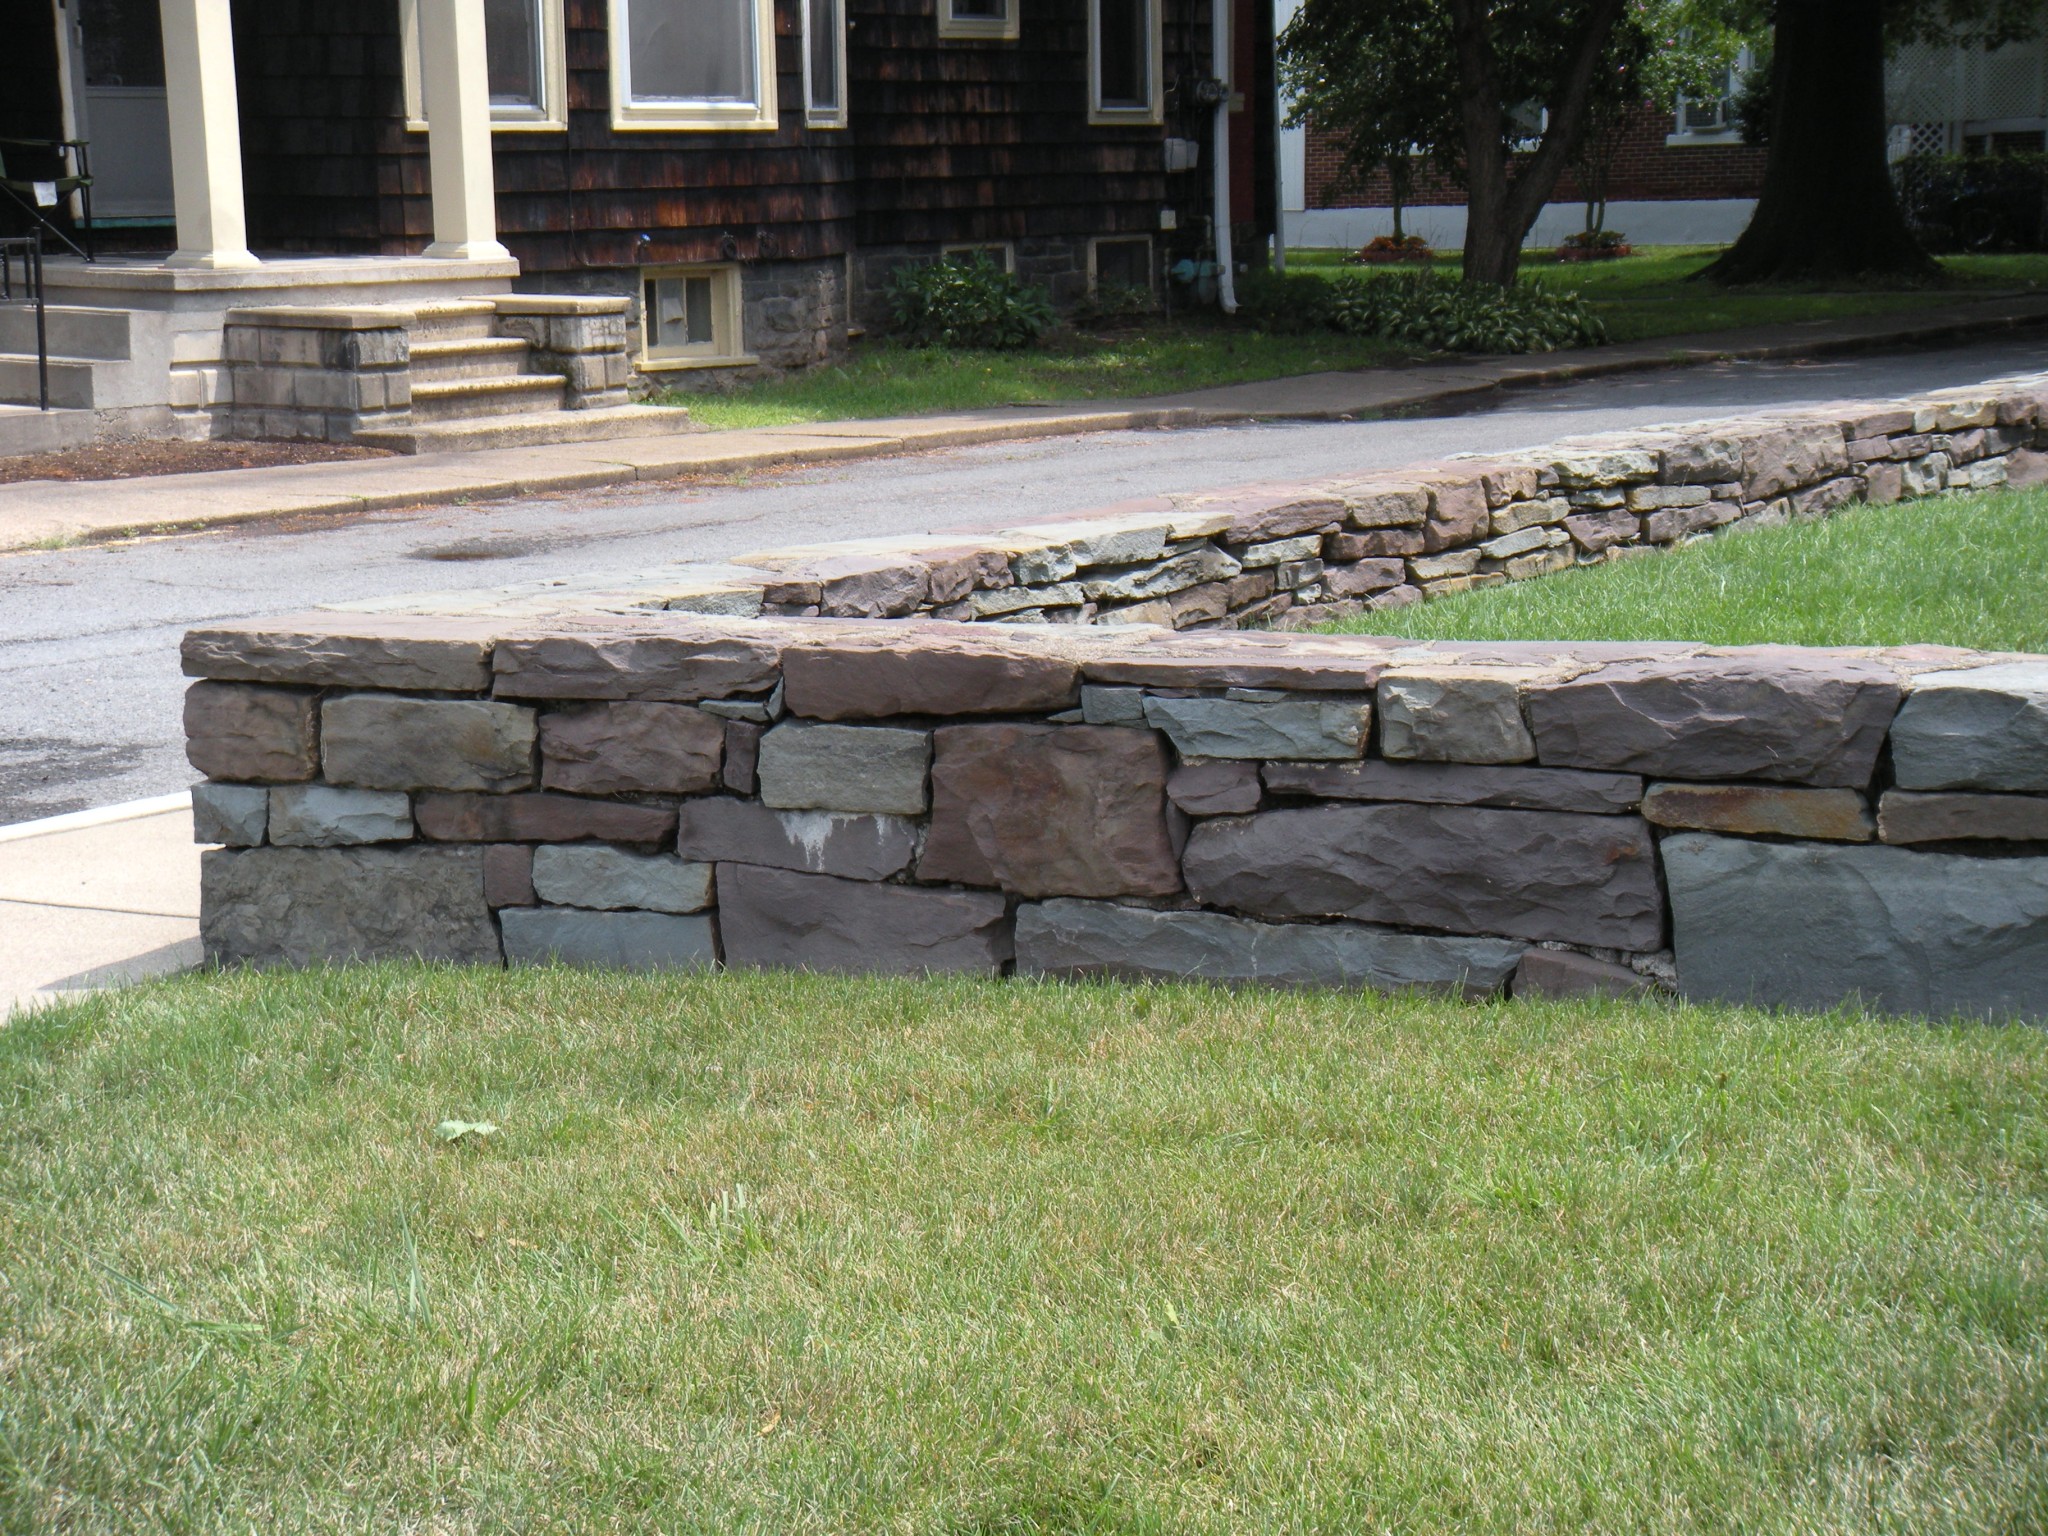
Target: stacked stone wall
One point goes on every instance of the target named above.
(805, 758)
(660, 790)
(1302, 555)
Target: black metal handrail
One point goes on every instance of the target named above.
(29, 248)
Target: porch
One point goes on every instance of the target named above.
(140, 345)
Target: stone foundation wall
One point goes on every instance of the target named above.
(1762, 824)
(1296, 556)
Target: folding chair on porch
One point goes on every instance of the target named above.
(37, 196)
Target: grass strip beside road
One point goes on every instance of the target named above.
(1968, 570)
(1639, 297)
(795, 1254)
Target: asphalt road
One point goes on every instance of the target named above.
(89, 681)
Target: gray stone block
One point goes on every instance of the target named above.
(1939, 816)
(1806, 925)
(773, 917)
(632, 941)
(322, 816)
(864, 769)
(1098, 938)
(609, 879)
(233, 815)
(1113, 706)
(818, 842)
(1985, 728)
(1308, 729)
(303, 906)
(383, 741)
(1531, 874)
(1450, 716)
(1567, 973)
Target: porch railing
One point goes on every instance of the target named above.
(28, 251)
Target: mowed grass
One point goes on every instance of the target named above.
(881, 379)
(1653, 293)
(785, 1254)
(1969, 570)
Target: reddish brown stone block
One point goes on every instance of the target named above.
(538, 818)
(1567, 973)
(1050, 810)
(741, 774)
(941, 675)
(396, 651)
(252, 734)
(508, 875)
(627, 748)
(1755, 810)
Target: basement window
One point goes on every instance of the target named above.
(1120, 262)
(524, 57)
(1124, 63)
(824, 63)
(690, 317)
(693, 64)
(987, 19)
(999, 252)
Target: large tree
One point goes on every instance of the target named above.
(1497, 94)
(1828, 208)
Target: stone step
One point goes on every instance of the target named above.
(522, 394)
(75, 330)
(24, 429)
(536, 430)
(467, 357)
(70, 380)
(453, 320)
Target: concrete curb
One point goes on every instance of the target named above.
(78, 821)
(43, 513)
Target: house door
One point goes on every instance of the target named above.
(114, 73)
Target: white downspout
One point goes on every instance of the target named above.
(1219, 58)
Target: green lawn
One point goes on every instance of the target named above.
(1639, 296)
(791, 1255)
(1956, 570)
(882, 379)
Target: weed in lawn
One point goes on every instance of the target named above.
(1955, 570)
(772, 1252)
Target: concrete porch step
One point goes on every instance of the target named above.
(71, 383)
(24, 429)
(467, 357)
(461, 399)
(536, 430)
(452, 320)
(75, 330)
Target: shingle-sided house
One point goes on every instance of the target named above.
(646, 192)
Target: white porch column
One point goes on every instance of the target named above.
(455, 82)
(206, 135)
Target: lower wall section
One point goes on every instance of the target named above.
(658, 790)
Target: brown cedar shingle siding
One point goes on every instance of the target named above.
(949, 141)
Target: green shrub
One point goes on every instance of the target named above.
(1430, 310)
(967, 302)
(1113, 304)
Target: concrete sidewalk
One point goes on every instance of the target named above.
(95, 899)
(42, 512)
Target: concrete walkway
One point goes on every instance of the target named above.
(96, 899)
(46, 512)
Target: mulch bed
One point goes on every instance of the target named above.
(128, 461)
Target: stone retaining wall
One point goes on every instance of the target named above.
(1295, 556)
(656, 789)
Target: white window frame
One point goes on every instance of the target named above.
(826, 117)
(1720, 126)
(998, 29)
(1153, 113)
(1007, 249)
(657, 115)
(728, 321)
(1095, 242)
(552, 116)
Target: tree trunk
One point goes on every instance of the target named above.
(1828, 208)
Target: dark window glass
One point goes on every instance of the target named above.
(1123, 56)
(1123, 264)
(692, 50)
(512, 51)
(822, 18)
(123, 41)
(979, 10)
